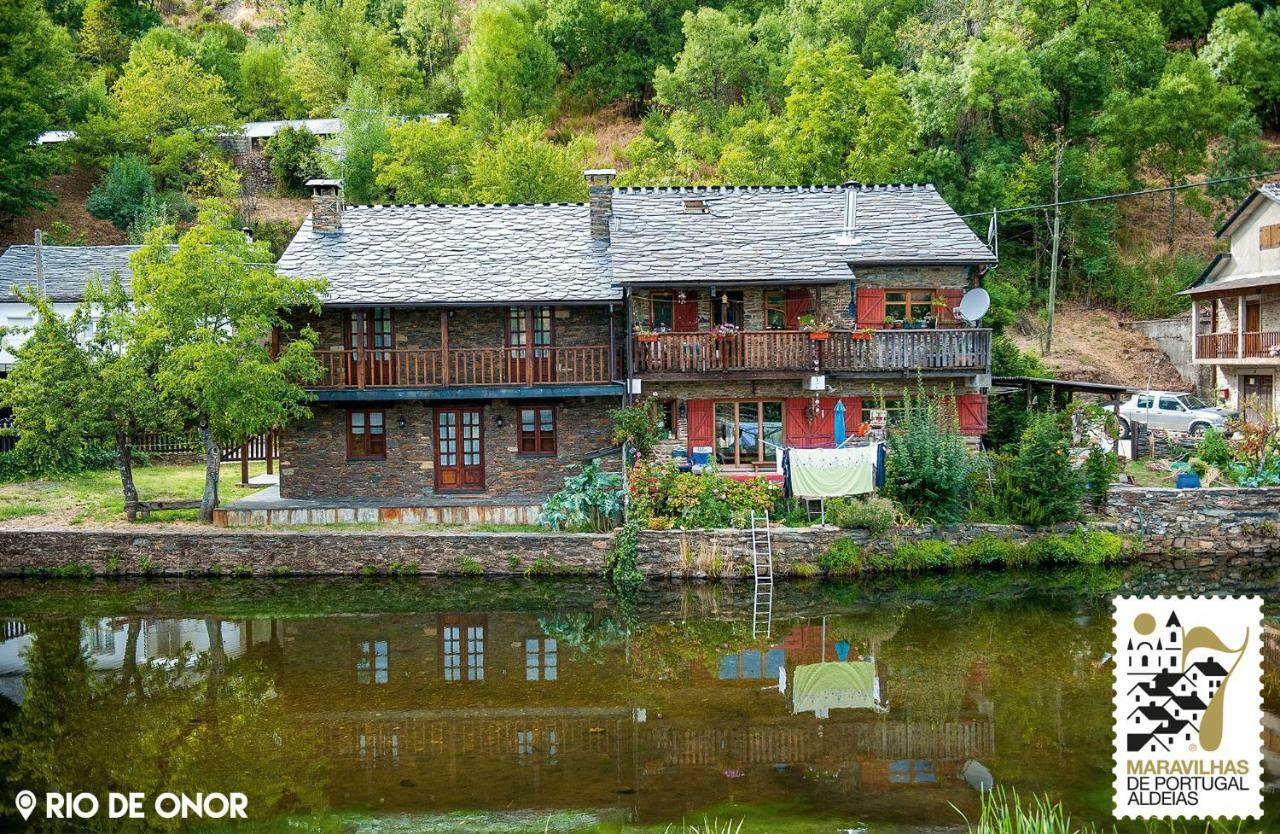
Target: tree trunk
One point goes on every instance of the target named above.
(124, 462)
(1173, 215)
(212, 463)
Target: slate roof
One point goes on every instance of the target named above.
(1269, 190)
(490, 254)
(425, 254)
(782, 234)
(66, 269)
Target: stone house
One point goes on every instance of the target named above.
(1235, 308)
(472, 353)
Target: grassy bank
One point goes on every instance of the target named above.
(96, 496)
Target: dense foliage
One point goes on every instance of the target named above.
(591, 499)
(1094, 547)
(927, 468)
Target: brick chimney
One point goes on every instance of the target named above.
(600, 196)
(326, 205)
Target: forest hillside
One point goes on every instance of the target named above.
(508, 100)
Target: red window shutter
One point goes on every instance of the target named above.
(972, 411)
(700, 415)
(951, 299)
(870, 307)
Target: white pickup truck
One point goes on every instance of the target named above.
(1171, 411)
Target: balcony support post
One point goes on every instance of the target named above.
(1240, 327)
(1195, 329)
(444, 346)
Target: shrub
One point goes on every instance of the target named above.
(928, 463)
(710, 500)
(1100, 470)
(620, 561)
(989, 551)
(293, 156)
(637, 426)
(874, 514)
(802, 570)
(591, 500)
(1094, 547)
(1039, 486)
(122, 192)
(924, 555)
(1214, 450)
(843, 558)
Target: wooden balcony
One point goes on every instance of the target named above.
(795, 352)
(1255, 345)
(465, 367)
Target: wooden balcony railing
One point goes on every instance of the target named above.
(1259, 345)
(440, 368)
(795, 351)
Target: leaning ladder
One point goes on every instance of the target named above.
(762, 562)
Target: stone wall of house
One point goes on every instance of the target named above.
(313, 453)
(255, 172)
(469, 327)
(1224, 531)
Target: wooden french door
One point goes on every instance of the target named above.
(459, 434)
(799, 303)
(373, 329)
(531, 344)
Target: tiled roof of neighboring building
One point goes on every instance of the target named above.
(782, 234)
(456, 254)
(66, 268)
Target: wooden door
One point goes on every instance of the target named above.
(799, 303)
(372, 329)
(1257, 397)
(685, 318)
(1252, 316)
(531, 344)
(459, 435)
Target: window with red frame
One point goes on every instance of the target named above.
(366, 434)
(537, 430)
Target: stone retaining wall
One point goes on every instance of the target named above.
(1227, 529)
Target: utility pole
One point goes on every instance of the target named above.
(1057, 238)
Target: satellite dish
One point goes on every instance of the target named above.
(973, 306)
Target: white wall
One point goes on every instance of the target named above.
(1246, 258)
(17, 317)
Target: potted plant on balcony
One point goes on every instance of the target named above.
(863, 335)
(890, 323)
(725, 331)
(819, 330)
(644, 335)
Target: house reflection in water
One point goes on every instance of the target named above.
(506, 710)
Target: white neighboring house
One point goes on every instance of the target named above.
(1235, 313)
(66, 271)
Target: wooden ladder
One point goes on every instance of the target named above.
(762, 562)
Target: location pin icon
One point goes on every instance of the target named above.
(26, 802)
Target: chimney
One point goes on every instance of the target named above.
(326, 205)
(600, 196)
(847, 235)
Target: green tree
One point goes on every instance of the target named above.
(121, 400)
(427, 162)
(1242, 53)
(206, 311)
(45, 388)
(430, 29)
(1169, 127)
(293, 154)
(35, 67)
(1040, 486)
(331, 42)
(523, 167)
(266, 91)
(364, 135)
(507, 71)
(123, 191)
(101, 40)
(718, 66)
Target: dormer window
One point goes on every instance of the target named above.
(695, 205)
(1269, 236)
